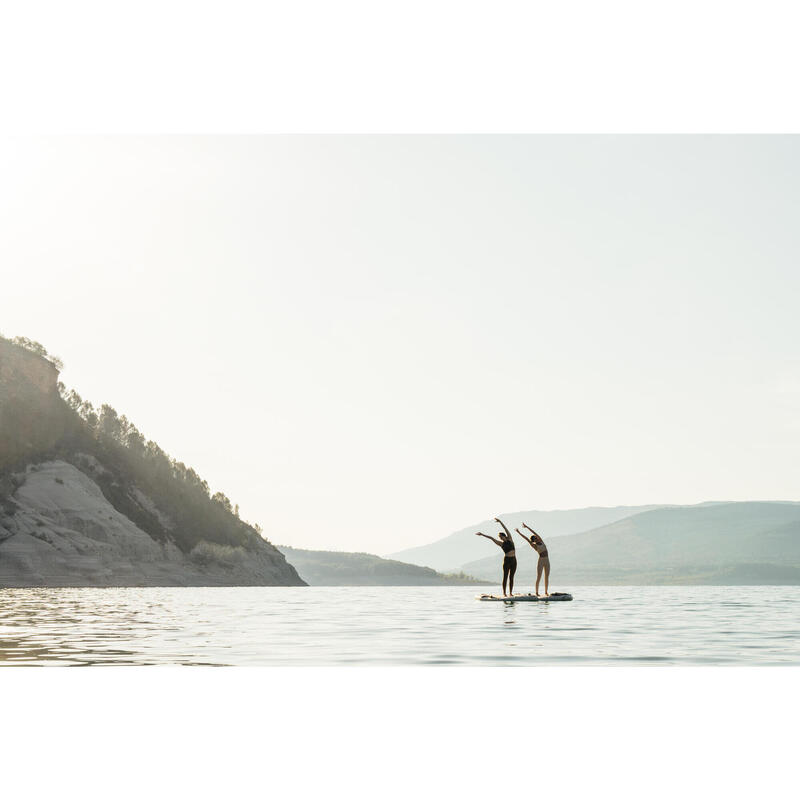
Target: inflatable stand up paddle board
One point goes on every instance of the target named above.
(526, 598)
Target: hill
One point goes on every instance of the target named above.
(721, 543)
(330, 568)
(463, 546)
(86, 500)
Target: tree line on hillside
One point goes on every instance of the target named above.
(108, 424)
(176, 488)
(130, 461)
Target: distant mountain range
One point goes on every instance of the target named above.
(463, 546)
(331, 568)
(711, 543)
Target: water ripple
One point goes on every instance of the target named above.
(389, 626)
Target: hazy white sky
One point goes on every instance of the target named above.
(370, 342)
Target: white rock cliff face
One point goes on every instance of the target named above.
(59, 530)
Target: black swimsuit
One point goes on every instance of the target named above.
(508, 547)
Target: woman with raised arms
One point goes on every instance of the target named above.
(509, 557)
(537, 543)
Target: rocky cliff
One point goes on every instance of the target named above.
(78, 508)
(32, 416)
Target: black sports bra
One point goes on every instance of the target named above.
(507, 546)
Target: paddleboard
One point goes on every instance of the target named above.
(526, 598)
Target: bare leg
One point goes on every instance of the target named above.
(547, 578)
(539, 568)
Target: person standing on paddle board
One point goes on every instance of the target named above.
(509, 558)
(537, 543)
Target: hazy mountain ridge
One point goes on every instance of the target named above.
(462, 547)
(85, 500)
(333, 568)
(722, 543)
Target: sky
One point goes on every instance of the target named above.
(371, 342)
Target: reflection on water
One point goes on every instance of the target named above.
(388, 625)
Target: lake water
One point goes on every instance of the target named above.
(399, 626)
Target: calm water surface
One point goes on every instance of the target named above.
(399, 626)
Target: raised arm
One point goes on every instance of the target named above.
(534, 535)
(524, 537)
(508, 532)
(496, 541)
